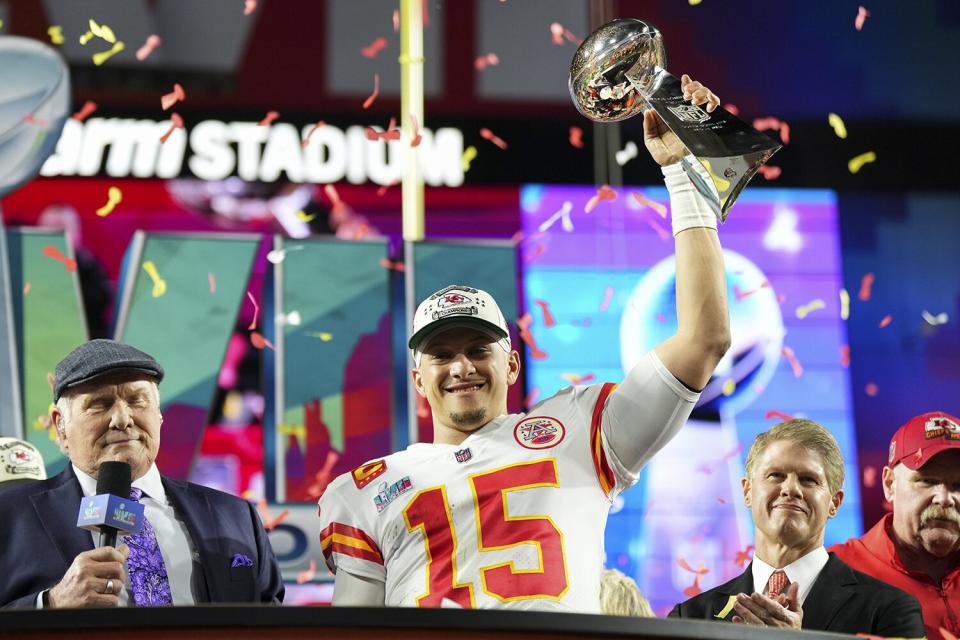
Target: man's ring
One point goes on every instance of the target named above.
(109, 588)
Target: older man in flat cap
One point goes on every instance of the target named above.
(197, 545)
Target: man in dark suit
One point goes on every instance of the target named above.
(794, 475)
(197, 545)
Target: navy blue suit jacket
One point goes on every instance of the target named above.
(39, 539)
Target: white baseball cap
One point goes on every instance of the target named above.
(458, 306)
(20, 460)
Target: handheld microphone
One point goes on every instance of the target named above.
(111, 511)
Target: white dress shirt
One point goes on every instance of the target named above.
(803, 571)
(176, 547)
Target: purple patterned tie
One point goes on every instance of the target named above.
(148, 575)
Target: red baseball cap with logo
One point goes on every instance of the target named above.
(922, 438)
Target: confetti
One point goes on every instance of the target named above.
(159, 284)
(934, 320)
(773, 413)
(559, 34)
(382, 189)
(871, 389)
(576, 137)
(249, 6)
(270, 522)
(844, 304)
(855, 164)
(267, 119)
(885, 321)
(866, 285)
(153, 41)
(628, 153)
(176, 122)
(375, 47)
(563, 215)
(395, 265)
(603, 193)
(535, 352)
(376, 92)
(396, 20)
(862, 15)
(839, 127)
(256, 312)
(310, 133)
(535, 253)
(844, 355)
(739, 295)
(213, 282)
(51, 251)
(658, 228)
(303, 216)
(26, 288)
(32, 119)
(762, 124)
(259, 342)
(488, 60)
(391, 133)
(469, 154)
(693, 589)
(325, 336)
(101, 31)
(334, 196)
(415, 138)
(744, 556)
(548, 319)
(644, 201)
(532, 397)
(694, 3)
(769, 171)
(732, 109)
(322, 477)
(169, 99)
(729, 387)
(869, 476)
(607, 299)
(486, 134)
(103, 56)
(794, 363)
(575, 379)
(88, 108)
(721, 501)
(811, 306)
(114, 197)
(307, 576)
(56, 34)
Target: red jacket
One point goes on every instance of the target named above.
(874, 554)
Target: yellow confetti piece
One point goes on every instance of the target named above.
(694, 3)
(1, 24)
(102, 31)
(103, 56)
(306, 217)
(114, 197)
(56, 34)
(836, 122)
(323, 335)
(468, 155)
(856, 163)
(813, 305)
(159, 284)
(732, 600)
(729, 387)
(844, 304)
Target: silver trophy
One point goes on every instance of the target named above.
(620, 71)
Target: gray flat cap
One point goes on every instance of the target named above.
(99, 358)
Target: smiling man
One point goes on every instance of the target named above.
(197, 544)
(793, 485)
(917, 547)
(509, 511)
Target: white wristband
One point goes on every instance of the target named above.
(688, 209)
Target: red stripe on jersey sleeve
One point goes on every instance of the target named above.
(350, 541)
(600, 464)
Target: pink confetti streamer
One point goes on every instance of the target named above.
(607, 299)
(376, 92)
(576, 137)
(153, 41)
(270, 117)
(794, 362)
(391, 133)
(88, 108)
(51, 251)
(770, 172)
(548, 319)
(871, 389)
(256, 312)
(259, 342)
(644, 201)
(169, 99)
(603, 193)
(176, 122)
(416, 137)
(773, 413)
(213, 282)
(382, 189)
(310, 133)
(375, 47)
(862, 15)
(866, 285)
(885, 321)
(486, 134)
(488, 60)
(249, 6)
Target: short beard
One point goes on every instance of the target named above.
(471, 418)
(936, 512)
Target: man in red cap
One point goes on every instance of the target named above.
(917, 547)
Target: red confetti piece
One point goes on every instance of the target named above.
(269, 522)
(773, 413)
(862, 15)
(176, 122)
(323, 477)
(739, 295)
(871, 389)
(307, 576)
(331, 192)
(486, 134)
(306, 140)
(394, 265)
(259, 342)
(535, 352)
(396, 20)
(525, 321)
(213, 282)
(382, 189)
(721, 501)
(644, 201)
(167, 100)
(869, 476)
(743, 557)
(415, 135)
(390, 134)
(607, 299)
(762, 124)
(548, 320)
(658, 228)
(376, 92)
(88, 108)
(426, 14)
(886, 320)
(532, 397)
(794, 363)
(375, 47)
(702, 571)
(575, 379)
(866, 284)
(536, 253)
(26, 288)
(603, 193)
(769, 172)
(256, 312)
(488, 60)
(270, 117)
(517, 238)
(576, 137)
(732, 108)
(51, 251)
(153, 41)
(556, 33)
(845, 355)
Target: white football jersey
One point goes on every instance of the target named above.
(513, 517)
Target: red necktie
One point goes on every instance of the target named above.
(777, 584)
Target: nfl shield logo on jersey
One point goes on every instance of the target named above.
(463, 455)
(539, 432)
